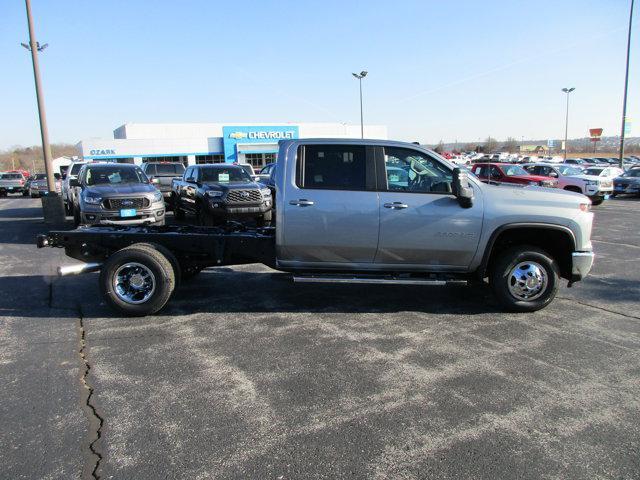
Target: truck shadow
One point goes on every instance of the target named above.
(219, 291)
(227, 291)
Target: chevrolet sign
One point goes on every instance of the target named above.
(271, 135)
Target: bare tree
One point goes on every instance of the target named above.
(490, 144)
(439, 148)
(510, 145)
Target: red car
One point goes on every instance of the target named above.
(509, 173)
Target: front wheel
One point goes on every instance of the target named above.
(525, 279)
(597, 200)
(137, 280)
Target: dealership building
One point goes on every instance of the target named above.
(196, 143)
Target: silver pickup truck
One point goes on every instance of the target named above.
(12, 182)
(361, 211)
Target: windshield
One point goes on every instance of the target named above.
(512, 170)
(247, 168)
(11, 176)
(224, 175)
(594, 171)
(75, 168)
(114, 176)
(564, 170)
(633, 173)
(169, 169)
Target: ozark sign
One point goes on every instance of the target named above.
(102, 152)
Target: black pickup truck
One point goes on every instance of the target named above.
(220, 192)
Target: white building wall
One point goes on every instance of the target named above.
(138, 140)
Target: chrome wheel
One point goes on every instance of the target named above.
(134, 283)
(527, 281)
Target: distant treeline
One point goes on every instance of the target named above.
(30, 158)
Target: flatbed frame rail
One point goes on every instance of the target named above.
(193, 246)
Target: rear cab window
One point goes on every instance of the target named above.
(168, 169)
(334, 167)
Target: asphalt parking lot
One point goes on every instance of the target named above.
(245, 375)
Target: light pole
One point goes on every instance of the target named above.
(626, 87)
(360, 76)
(51, 203)
(566, 121)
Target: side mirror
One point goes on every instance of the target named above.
(74, 182)
(461, 188)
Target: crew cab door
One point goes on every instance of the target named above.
(330, 207)
(422, 225)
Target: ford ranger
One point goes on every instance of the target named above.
(115, 194)
(360, 211)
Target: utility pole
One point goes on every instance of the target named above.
(626, 87)
(360, 76)
(51, 203)
(566, 121)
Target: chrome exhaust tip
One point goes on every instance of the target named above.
(66, 270)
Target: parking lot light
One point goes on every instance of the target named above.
(626, 88)
(566, 122)
(360, 76)
(51, 203)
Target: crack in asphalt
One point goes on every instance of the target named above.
(599, 308)
(96, 421)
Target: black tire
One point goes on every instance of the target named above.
(36, 196)
(151, 259)
(77, 219)
(597, 200)
(178, 213)
(25, 193)
(173, 260)
(3, 194)
(204, 218)
(500, 278)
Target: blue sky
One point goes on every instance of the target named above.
(437, 69)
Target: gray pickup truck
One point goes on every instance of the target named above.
(12, 182)
(115, 194)
(361, 211)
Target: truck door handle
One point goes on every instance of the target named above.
(396, 205)
(303, 202)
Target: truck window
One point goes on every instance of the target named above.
(332, 167)
(168, 169)
(150, 169)
(412, 171)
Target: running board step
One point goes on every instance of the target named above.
(376, 280)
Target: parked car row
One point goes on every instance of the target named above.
(596, 182)
(126, 194)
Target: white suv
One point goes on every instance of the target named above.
(67, 193)
(572, 178)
